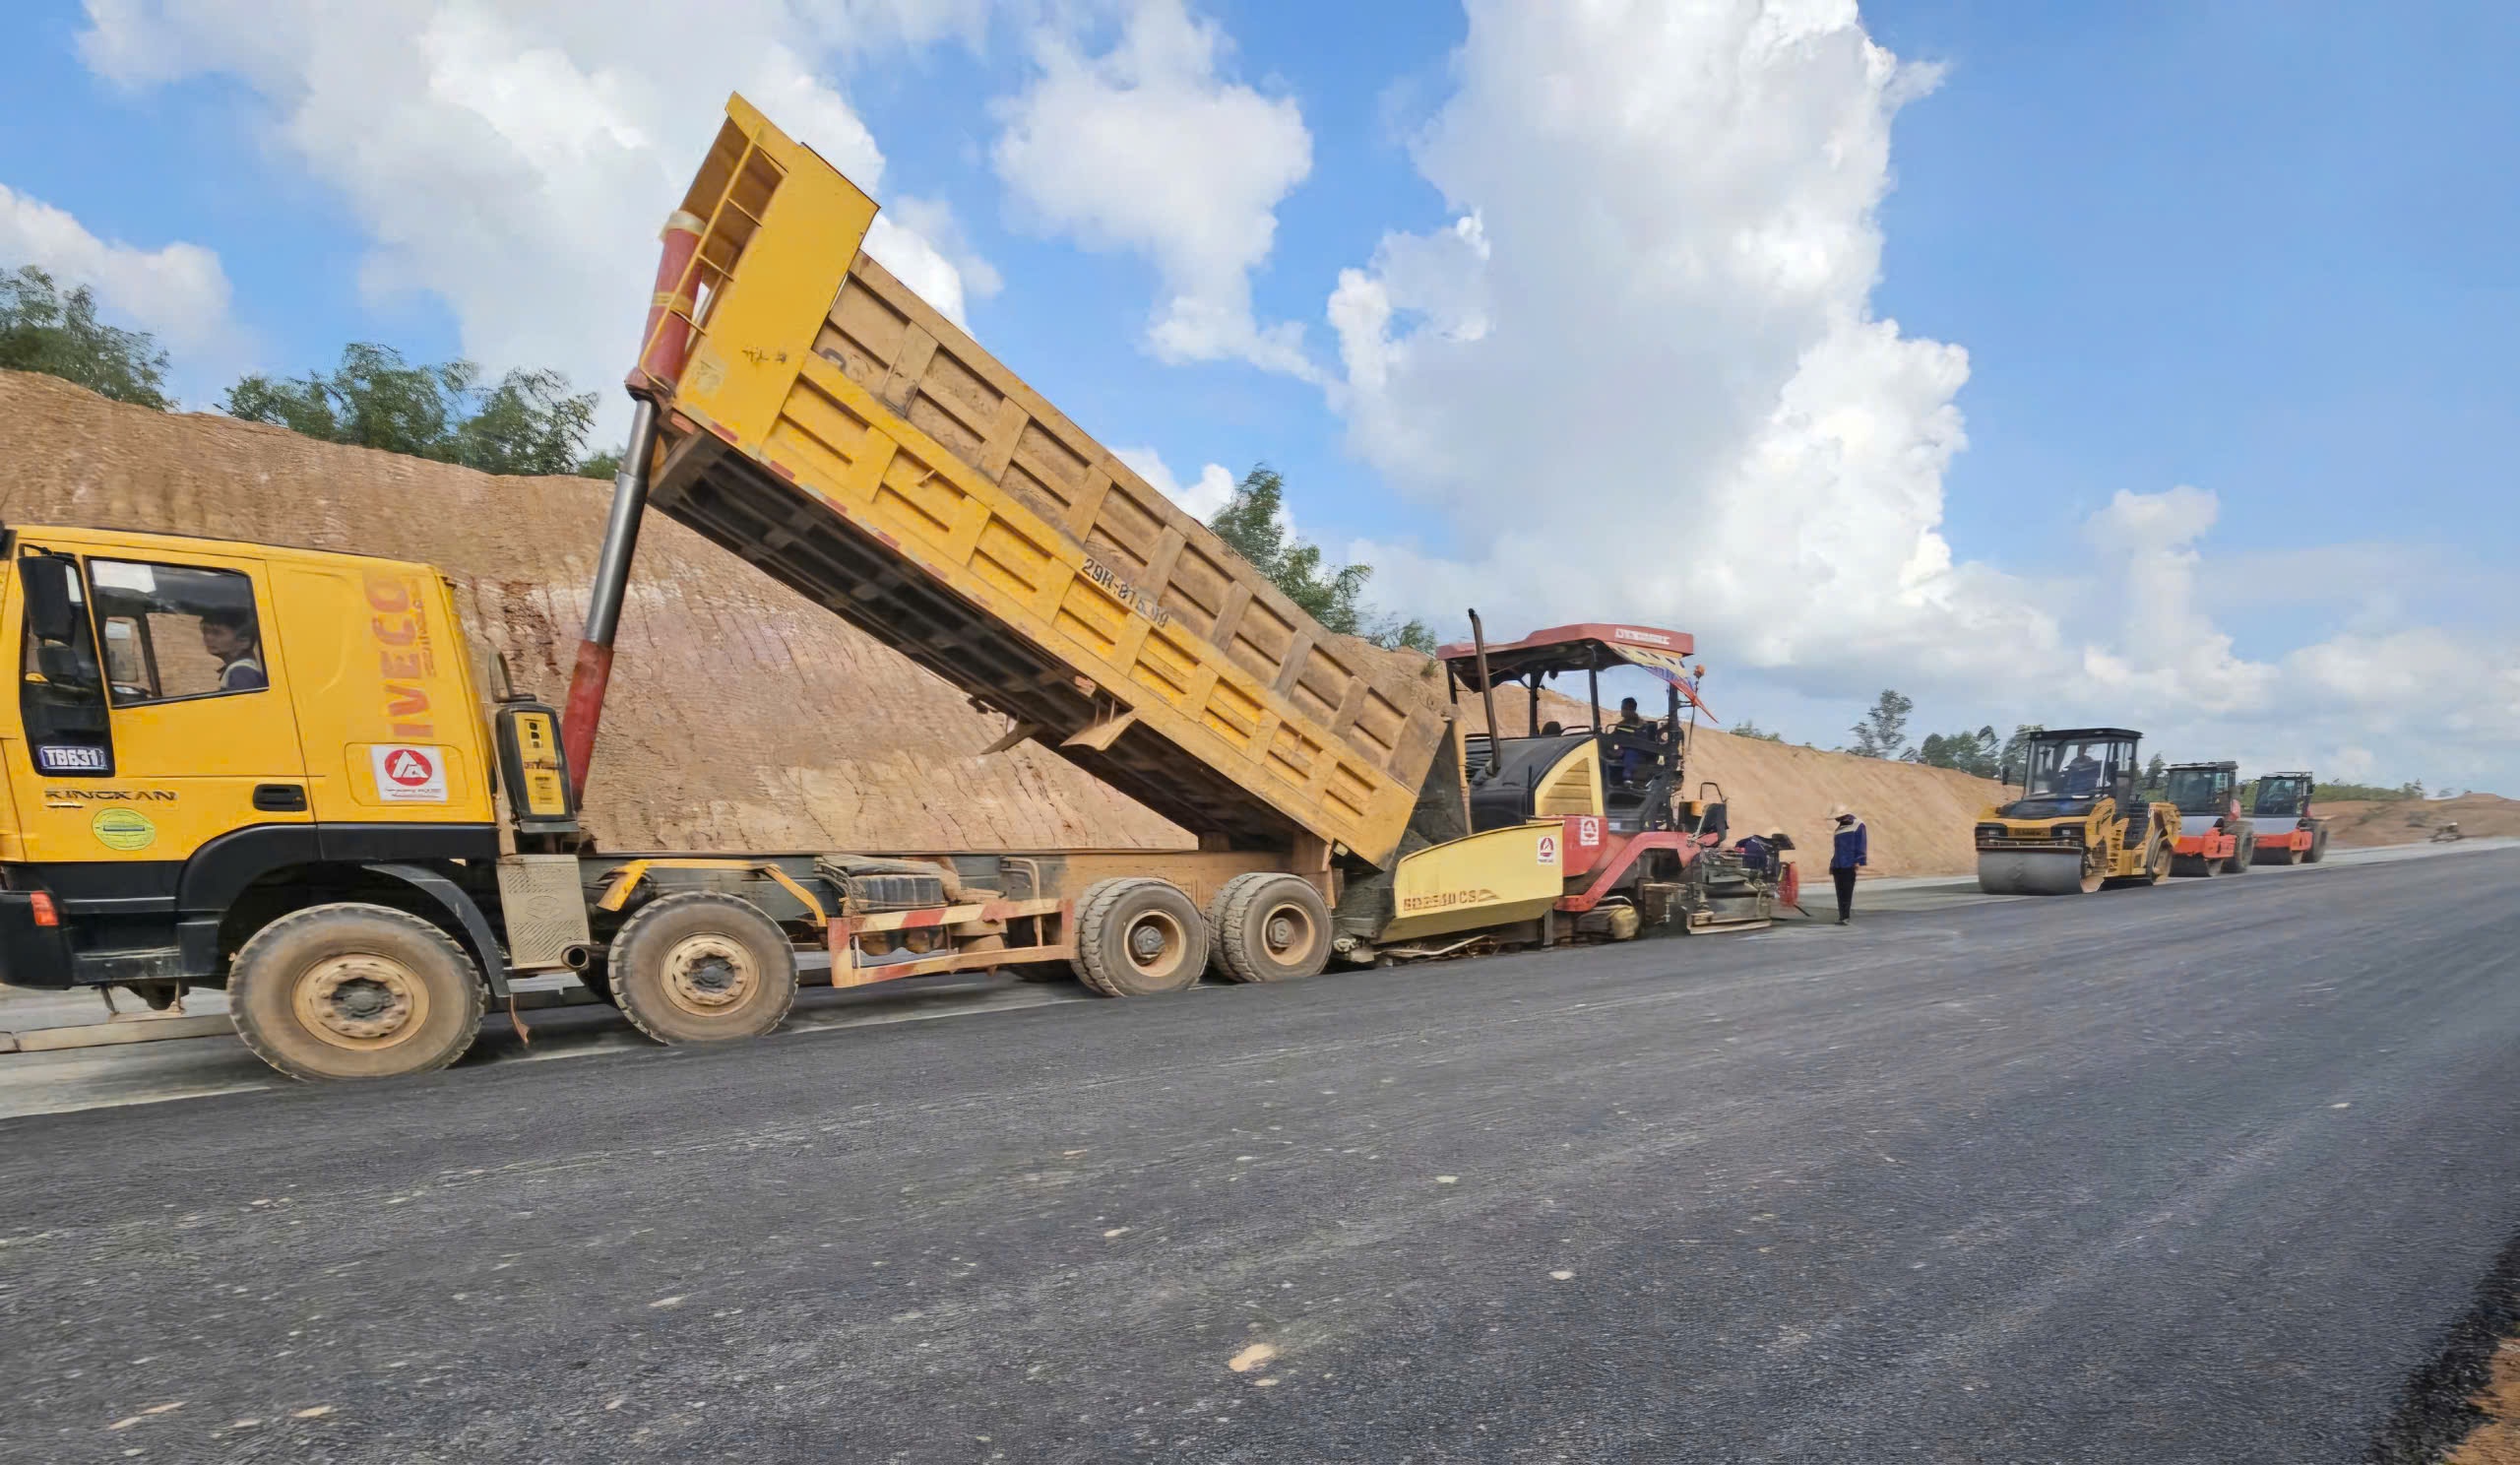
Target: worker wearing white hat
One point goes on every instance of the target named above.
(1851, 853)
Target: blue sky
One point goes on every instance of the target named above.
(2258, 249)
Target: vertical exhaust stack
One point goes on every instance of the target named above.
(662, 349)
(1487, 696)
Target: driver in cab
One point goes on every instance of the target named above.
(2082, 776)
(228, 635)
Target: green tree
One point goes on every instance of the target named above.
(1979, 754)
(43, 330)
(528, 422)
(1253, 523)
(2157, 774)
(601, 465)
(1748, 728)
(2016, 753)
(1883, 732)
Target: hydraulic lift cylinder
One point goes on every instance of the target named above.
(593, 673)
(663, 346)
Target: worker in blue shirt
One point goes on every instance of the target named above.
(1851, 852)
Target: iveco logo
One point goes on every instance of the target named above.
(112, 795)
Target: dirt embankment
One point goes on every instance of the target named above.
(2409, 821)
(742, 715)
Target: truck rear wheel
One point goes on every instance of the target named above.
(2243, 854)
(1137, 936)
(1270, 928)
(354, 991)
(700, 967)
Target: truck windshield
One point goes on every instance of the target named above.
(2199, 791)
(2283, 798)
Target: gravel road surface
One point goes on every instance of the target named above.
(2201, 1173)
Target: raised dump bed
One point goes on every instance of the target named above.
(827, 425)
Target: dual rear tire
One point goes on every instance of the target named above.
(1270, 928)
(1137, 935)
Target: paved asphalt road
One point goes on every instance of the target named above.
(2194, 1173)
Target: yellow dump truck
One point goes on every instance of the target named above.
(284, 772)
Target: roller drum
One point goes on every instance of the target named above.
(2034, 872)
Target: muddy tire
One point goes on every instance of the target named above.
(354, 991)
(1270, 928)
(1138, 936)
(2318, 849)
(2242, 854)
(698, 967)
(2156, 870)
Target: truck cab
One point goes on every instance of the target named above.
(197, 720)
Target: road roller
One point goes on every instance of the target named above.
(2213, 837)
(2077, 824)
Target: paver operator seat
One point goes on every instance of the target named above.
(1578, 771)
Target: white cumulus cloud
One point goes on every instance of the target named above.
(1199, 498)
(1148, 148)
(177, 292)
(1645, 338)
(516, 159)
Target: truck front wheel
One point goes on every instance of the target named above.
(700, 967)
(354, 991)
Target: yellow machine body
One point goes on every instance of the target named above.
(1494, 878)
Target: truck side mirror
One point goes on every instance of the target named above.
(50, 612)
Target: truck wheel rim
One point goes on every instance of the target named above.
(708, 974)
(1288, 934)
(1156, 943)
(362, 1001)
